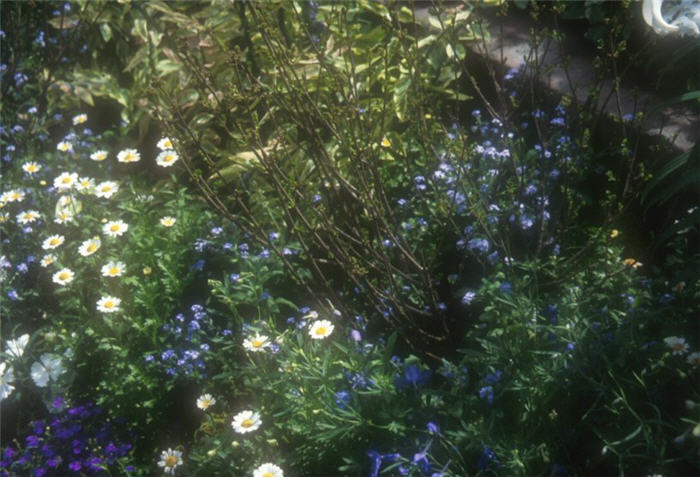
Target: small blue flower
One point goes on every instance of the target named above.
(468, 297)
(486, 393)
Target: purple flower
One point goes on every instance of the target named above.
(32, 441)
(478, 245)
(486, 393)
(355, 335)
(433, 428)
(468, 297)
(75, 466)
(413, 376)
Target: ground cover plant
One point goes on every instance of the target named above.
(322, 238)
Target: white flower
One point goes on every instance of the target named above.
(15, 348)
(89, 247)
(27, 217)
(63, 276)
(53, 242)
(64, 146)
(165, 144)
(106, 189)
(98, 156)
(167, 221)
(48, 260)
(14, 195)
(320, 329)
(49, 367)
(268, 470)
(63, 216)
(85, 184)
(694, 358)
(205, 401)
(246, 421)
(258, 343)
(31, 167)
(684, 17)
(169, 460)
(129, 155)
(678, 345)
(65, 181)
(115, 228)
(113, 269)
(108, 304)
(79, 119)
(7, 377)
(167, 158)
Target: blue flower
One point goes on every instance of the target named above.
(413, 376)
(433, 428)
(486, 393)
(487, 457)
(468, 297)
(493, 378)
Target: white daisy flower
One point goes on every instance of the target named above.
(106, 189)
(49, 367)
(64, 146)
(246, 421)
(89, 247)
(14, 195)
(115, 228)
(167, 221)
(108, 304)
(320, 329)
(7, 377)
(169, 460)
(79, 119)
(48, 260)
(167, 158)
(15, 348)
(85, 184)
(268, 470)
(31, 167)
(64, 276)
(129, 155)
(165, 144)
(678, 345)
(53, 242)
(694, 358)
(205, 401)
(98, 156)
(113, 269)
(63, 217)
(258, 343)
(27, 217)
(65, 181)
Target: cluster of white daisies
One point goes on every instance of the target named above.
(68, 206)
(248, 421)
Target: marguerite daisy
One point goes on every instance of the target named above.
(167, 221)
(678, 345)
(27, 217)
(14, 195)
(115, 228)
(63, 276)
(31, 167)
(167, 158)
(258, 343)
(113, 269)
(98, 156)
(65, 181)
(85, 184)
(63, 217)
(246, 421)
(47, 260)
(108, 304)
(89, 247)
(53, 242)
(129, 155)
(169, 460)
(320, 329)
(165, 144)
(694, 358)
(205, 401)
(268, 470)
(79, 119)
(106, 189)
(64, 146)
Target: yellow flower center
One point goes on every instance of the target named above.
(168, 144)
(100, 156)
(321, 330)
(92, 247)
(169, 158)
(114, 228)
(247, 423)
(678, 346)
(63, 276)
(66, 180)
(206, 403)
(114, 271)
(268, 474)
(129, 157)
(109, 304)
(257, 343)
(171, 461)
(54, 241)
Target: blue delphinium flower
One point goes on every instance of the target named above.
(412, 377)
(486, 393)
(487, 458)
